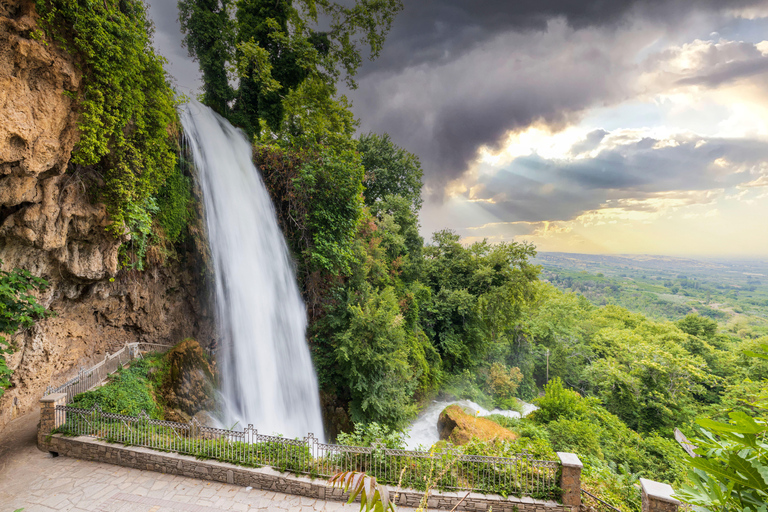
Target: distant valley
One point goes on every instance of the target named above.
(732, 291)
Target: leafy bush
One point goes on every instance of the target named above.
(173, 201)
(366, 434)
(18, 309)
(503, 382)
(567, 435)
(523, 427)
(373, 355)
(558, 402)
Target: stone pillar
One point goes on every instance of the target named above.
(657, 497)
(51, 419)
(570, 480)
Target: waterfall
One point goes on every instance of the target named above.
(265, 369)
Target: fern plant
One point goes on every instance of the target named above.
(373, 496)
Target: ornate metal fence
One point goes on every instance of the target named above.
(521, 475)
(90, 378)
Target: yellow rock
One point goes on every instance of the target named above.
(458, 427)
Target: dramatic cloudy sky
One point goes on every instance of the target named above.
(615, 126)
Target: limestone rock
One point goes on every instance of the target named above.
(206, 419)
(458, 427)
(188, 387)
(50, 227)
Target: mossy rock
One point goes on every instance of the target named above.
(458, 427)
(188, 386)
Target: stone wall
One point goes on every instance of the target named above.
(266, 478)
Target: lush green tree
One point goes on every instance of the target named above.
(268, 62)
(208, 35)
(581, 424)
(277, 48)
(19, 309)
(478, 295)
(373, 355)
(389, 171)
(698, 326)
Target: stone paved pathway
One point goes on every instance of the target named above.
(37, 482)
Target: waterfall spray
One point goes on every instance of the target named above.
(266, 373)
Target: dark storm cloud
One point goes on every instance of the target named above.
(535, 189)
(445, 112)
(438, 30)
(729, 72)
(456, 75)
(592, 141)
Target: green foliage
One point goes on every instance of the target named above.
(126, 104)
(521, 427)
(732, 470)
(332, 185)
(281, 60)
(129, 390)
(652, 375)
(373, 357)
(478, 295)
(567, 435)
(173, 202)
(390, 170)
(139, 222)
(208, 37)
(578, 424)
(318, 197)
(269, 61)
(503, 382)
(698, 326)
(19, 309)
(558, 402)
(365, 434)
(614, 484)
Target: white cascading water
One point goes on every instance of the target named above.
(266, 373)
(423, 430)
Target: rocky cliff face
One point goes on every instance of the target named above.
(49, 227)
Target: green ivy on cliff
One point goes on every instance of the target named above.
(127, 107)
(18, 309)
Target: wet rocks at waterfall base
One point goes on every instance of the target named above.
(459, 427)
(188, 388)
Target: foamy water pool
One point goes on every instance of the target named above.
(423, 431)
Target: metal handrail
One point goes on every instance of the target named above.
(604, 503)
(87, 379)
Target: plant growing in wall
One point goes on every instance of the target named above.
(18, 309)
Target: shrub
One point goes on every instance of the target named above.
(18, 309)
(558, 402)
(567, 435)
(366, 434)
(503, 382)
